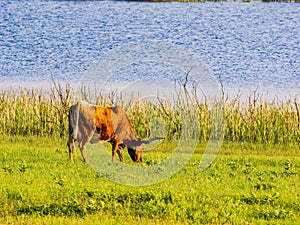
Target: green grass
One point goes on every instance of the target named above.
(246, 184)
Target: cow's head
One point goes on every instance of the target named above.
(136, 153)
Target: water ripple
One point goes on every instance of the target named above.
(245, 45)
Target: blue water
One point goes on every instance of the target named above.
(245, 45)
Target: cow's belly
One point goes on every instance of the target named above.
(95, 139)
(99, 137)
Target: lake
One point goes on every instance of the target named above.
(244, 45)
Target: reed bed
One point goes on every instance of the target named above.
(254, 120)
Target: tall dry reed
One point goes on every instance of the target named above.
(256, 120)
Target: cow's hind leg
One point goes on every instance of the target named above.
(82, 150)
(86, 138)
(71, 147)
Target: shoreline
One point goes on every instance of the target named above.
(271, 93)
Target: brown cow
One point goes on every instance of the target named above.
(87, 122)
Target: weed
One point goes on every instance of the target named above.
(60, 179)
(7, 168)
(23, 167)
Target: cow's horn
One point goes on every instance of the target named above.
(148, 141)
(134, 143)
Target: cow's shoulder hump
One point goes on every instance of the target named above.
(117, 109)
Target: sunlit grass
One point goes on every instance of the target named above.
(39, 185)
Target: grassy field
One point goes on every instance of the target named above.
(246, 184)
(255, 178)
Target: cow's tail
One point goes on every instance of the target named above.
(73, 122)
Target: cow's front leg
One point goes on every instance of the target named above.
(114, 150)
(120, 147)
(119, 151)
(117, 148)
